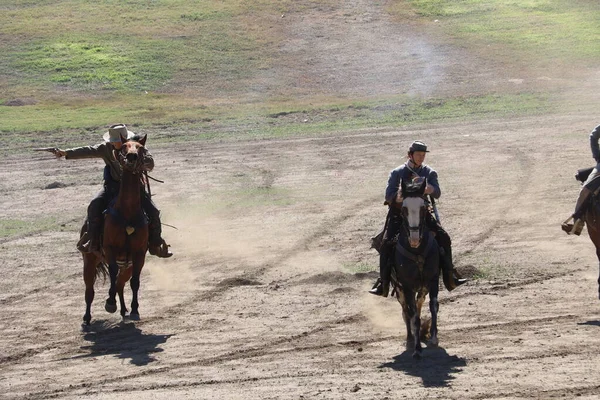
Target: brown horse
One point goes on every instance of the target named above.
(125, 237)
(591, 213)
(592, 218)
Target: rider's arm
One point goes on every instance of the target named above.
(432, 180)
(96, 151)
(393, 186)
(594, 136)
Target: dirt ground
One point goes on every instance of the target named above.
(266, 296)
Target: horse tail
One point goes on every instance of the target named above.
(102, 271)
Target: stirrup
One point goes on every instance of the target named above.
(574, 228)
(160, 250)
(380, 289)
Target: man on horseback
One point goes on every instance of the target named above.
(112, 177)
(590, 186)
(413, 168)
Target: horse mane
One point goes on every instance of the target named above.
(136, 138)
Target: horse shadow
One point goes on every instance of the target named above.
(436, 368)
(593, 323)
(124, 340)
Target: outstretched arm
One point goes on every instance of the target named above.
(96, 151)
(54, 150)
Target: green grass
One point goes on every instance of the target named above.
(541, 32)
(76, 124)
(110, 45)
(16, 227)
(191, 65)
(97, 64)
(360, 267)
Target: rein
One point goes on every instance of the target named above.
(137, 166)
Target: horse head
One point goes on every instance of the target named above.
(413, 210)
(131, 155)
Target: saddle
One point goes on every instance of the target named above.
(583, 174)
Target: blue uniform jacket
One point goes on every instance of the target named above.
(407, 173)
(594, 136)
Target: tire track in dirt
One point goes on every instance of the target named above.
(252, 352)
(474, 291)
(570, 392)
(525, 165)
(267, 350)
(325, 228)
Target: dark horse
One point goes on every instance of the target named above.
(591, 215)
(125, 237)
(416, 271)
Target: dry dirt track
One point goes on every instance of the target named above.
(266, 297)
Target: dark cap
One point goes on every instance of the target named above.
(418, 146)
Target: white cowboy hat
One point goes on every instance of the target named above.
(116, 131)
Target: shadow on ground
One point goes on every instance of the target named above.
(125, 341)
(436, 368)
(593, 323)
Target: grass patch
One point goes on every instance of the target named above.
(16, 227)
(534, 31)
(130, 45)
(77, 124)
(193, 66)
(97, 64)
(361, 267)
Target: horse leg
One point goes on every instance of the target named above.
(89, 278)
(595, 237)
(402, 300)
(413, 324)
(124, 276)
(598, 255)
(138, 264)
(434, 306)
(111, 302)
(416, 323)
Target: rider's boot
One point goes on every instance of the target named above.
(382, 285)
(580, 206)
(94, 234)
(156, 244)
(451, 277)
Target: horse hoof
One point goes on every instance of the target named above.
(87, 319)
(417, 355)
(134, 317)
(433, 342)
(111, 308)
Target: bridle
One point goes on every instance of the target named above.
(137, 166)
(409, 229)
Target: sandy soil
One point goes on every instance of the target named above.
(266, 296)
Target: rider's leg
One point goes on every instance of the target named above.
(580, 206)
(382, 286)
(156, 244)
(96, 221)
(450, 276)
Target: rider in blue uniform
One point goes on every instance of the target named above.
(413, 168)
